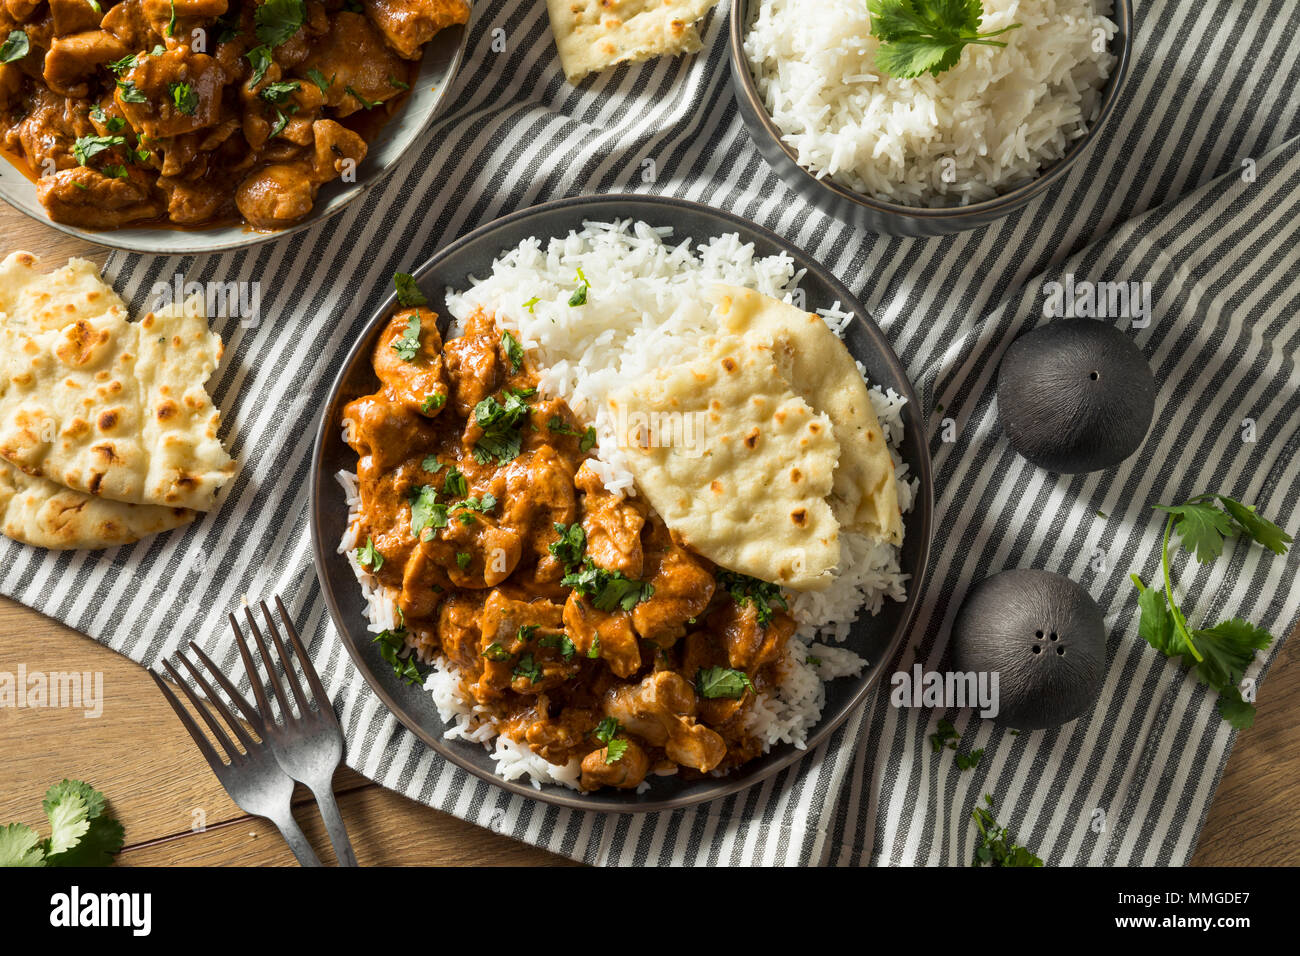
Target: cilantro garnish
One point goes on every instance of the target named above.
(426, 511)
(431, 463)
(557, 425)
(87, 147)
(368, 104)
(171, 24)
(495, 652)
(397, 84)
(606, 732)
(463, 559)
(455, 484)
(369, 556)
(319, 78)
(129, 93)
(408, 293)
(433, 402)
(391, 645)
(527, 668)
(579, 296)
(279, 92)
(945, 736)
(926, 36)
(482, 505)
(1218, 654)
(81, 833)
(407, 345)
(277, 20)
(571, 546)
(110, 123)
(281, 121)
(259, 57)
(531, 303)
(500, 422)
(15, 47)
(514, 351)
(970, 760)
(561, 642)
(184, 98)
(997, 847)
(607, 590)
(118, 66)
(715, 682)
(744, 589)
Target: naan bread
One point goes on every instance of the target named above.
(735, 463)
(40, 301)
(594, 34)
(115, 409)
(822, 372)
(39, 512)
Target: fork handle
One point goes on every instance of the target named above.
(296, 839)
(329, 811)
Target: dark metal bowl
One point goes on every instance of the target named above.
(896, 219)
(875, 638)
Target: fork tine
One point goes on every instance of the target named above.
(254, 677)
(304, 702)
(215, 700)
(308, 669)
(270, 668)
(214, 759)
(245, 708)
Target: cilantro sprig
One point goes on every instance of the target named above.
(715, 682)
(997, 847)
(927, 36)
(745, 589)
(608, 591)
(81, 832)
(607, 733)
(1218, 654)
(392, 648)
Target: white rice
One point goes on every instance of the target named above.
(988, 124)
(645, 309)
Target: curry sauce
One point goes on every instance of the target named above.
(572, 614)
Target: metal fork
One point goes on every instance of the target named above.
(253, 778)
(308, 745)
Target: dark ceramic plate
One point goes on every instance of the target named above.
(874, 638)
(895, 219)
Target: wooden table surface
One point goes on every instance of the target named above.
(175, 812)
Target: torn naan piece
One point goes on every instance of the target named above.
(38, 512)
(116, 409)
(41, 301)
(592, 35)
(737, 465)
(820, 369)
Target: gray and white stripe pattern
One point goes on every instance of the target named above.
(1160, 198)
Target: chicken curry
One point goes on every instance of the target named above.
(571, 614)
(195, 112)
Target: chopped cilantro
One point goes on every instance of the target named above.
(408, 293)
(87, 147)
(433, 402)
(715, 682)
(407, 345)
(527, 669)
(514, 351)
(996, 847)
(184, 98)
(129, 93)
(392, 644)
(571, 545)
(607, 590)
(259, 57)
(279, 92)
(369, 556)
(579, 296)
(463, 559)
(744, 589)
(319, 78)
(277, 20)
(426, 511)
(15, 47)
(561, 642)
(455, 485)
(495, 652)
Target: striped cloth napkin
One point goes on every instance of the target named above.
(1162, 198)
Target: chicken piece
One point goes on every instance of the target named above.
(703, 650)
(515, 650)
(276, 196)
(612, 524)
(338, 150)
(661, 711)
(384, 435)
(473, 365)
(539, 495)
(417, 381)
(608, 636)
(193, 202)
(21, 10)
(181, 91)
(74, 16)
(188, 14)
(72, 59)
(626, 772)
(683, 587)
(750, 645)
(11, 85)
(127, 22)
(556, 738)
(409, 24)
(85, 197)
(458, 633)
(360, 64)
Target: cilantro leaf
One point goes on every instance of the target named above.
(997, 847)
(614, 750)
(1257, 528)
(407, 345)
(15, 47)
(184, 98)
(495, 652)
(745, 590)
(579, 296)
(369, 556)
(514, 351)
(1200, 526)
(87, 147)
(259, 58)
(561, 642)
(454, 484)
(392, 648)
(500, 422)
(20, 844)
(527, 669)
(607, 729)
(322, 82)
(608, 591)
(433, 402)
(408, 293)
(426, 511)
(715, 682)
(277, 20)
(571, 545)
(926, 36)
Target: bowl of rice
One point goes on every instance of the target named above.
(648, 262)
(932, 154)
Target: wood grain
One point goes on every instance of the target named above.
(175, 812)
